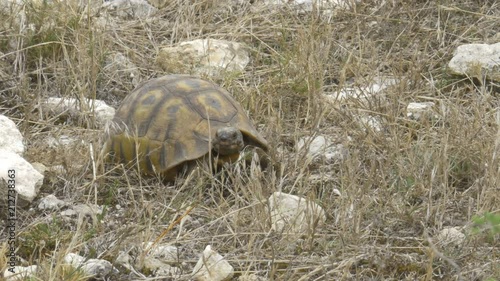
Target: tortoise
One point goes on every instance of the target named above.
(168, 123)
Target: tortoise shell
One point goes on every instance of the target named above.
(170, 121)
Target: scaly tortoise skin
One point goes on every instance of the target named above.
(172, 121)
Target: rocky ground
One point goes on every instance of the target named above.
(382, 119)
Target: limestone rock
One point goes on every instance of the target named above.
(370, 122)
(204, 56)
(97, 267)
(252, 277)
(27, 180)
(363, 93)
(417, 110)
(212, 267)
(60, 106)
(51, 202)
(160, 268)
(83, 210)
(475, 60)
(290, 213)
(11, 139)
(130, 9)
(321, 146)
(118, 67)
(39, 167)
(326, 7)
(93, 267)
(166, 253)
(18, 273)
(451, 236)
(60, 141)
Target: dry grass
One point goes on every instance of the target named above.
(400, 186)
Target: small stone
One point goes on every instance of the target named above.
(11, 139)
(87, 209)
(58, 106)
(212, 267)
(58, 169)
(337, 192)
(159, 268)
(321, 146)
(118, 67)
(130, 9)
(451, 236)
(23, 177)
(83, 210)
(97, 267)
(18, 273)
(60, 141)
(370, 122)
(39, 167)
(123, 260)
(294, 214)
(416, 110)
(204, 56)
(476, 60)
(69, 213)
(362, 94)
(51, 202)
(252, 277)
(93, 267)
(326, 7)
(74, 259)
(166, 253)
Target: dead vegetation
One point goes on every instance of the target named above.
(400, 186)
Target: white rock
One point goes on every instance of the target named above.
(19, 272)
(92, 267)
(327, 7)
(166, 253)
(88, 209)
(363, 93)
(11, 139)
(97, 267)
(74, 260)
(82, 210)
(292, 213)
(251, 277)
(212, 267)
(124, 259)
(159, 268)
(51, 202)
(415, 110)
(369, 121)
(475, 59)
(321, 146)
(451, 236)
(136, 9)
(337, 192)
(103, 112)
(119, 67)
(204, 56)
(39, 167)
(27, 180)
(69, 213)
(62, 140)
(58, 169)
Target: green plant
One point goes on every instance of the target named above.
(488, 222)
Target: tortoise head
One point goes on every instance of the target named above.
(228, 141)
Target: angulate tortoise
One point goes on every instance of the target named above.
(168, 123)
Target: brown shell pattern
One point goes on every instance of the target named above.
(170, 120)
